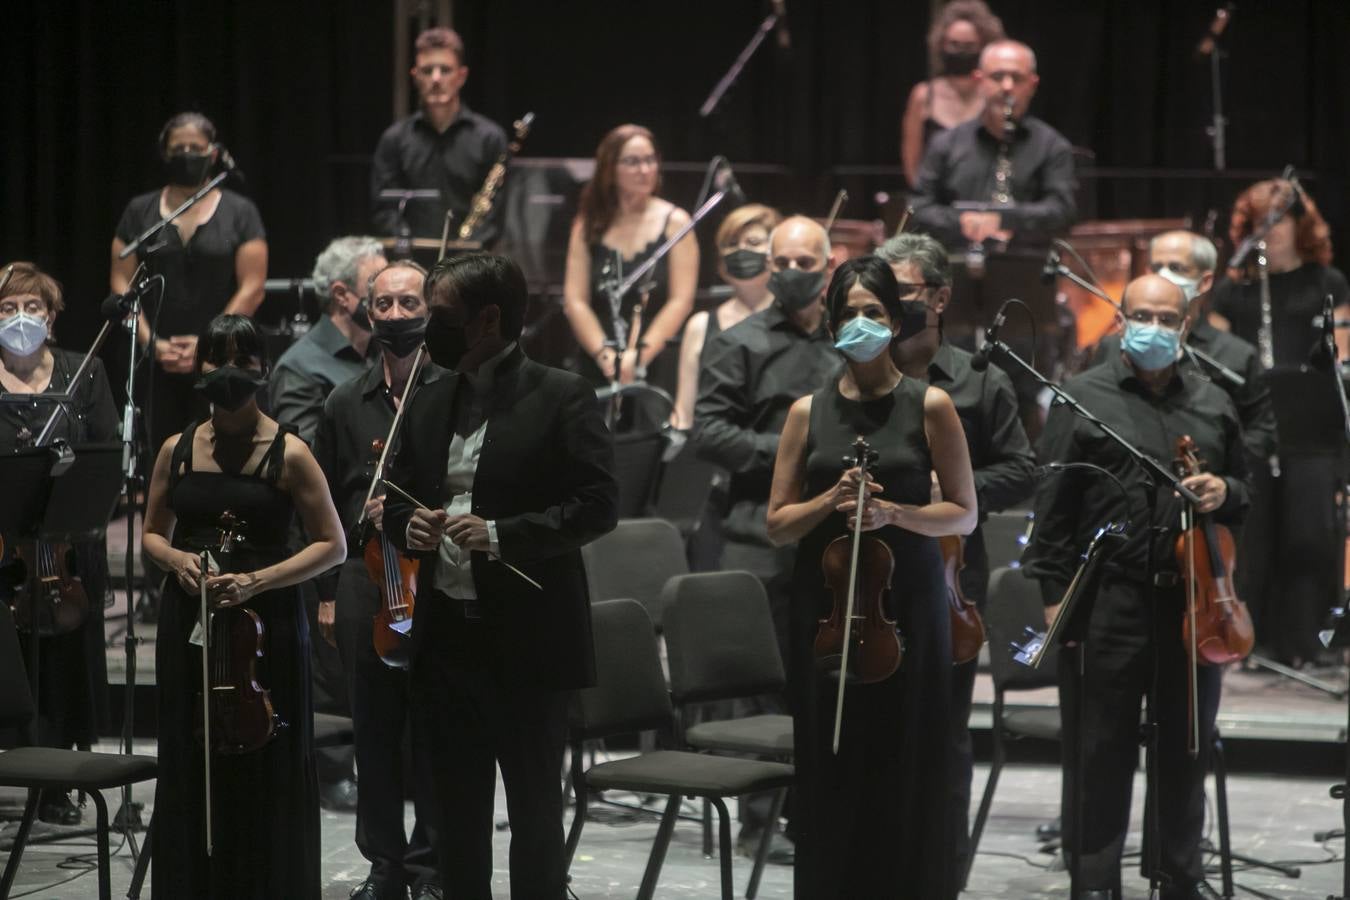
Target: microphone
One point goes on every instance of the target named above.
(1322, 356)
(1051, 270)
(980, 361)
(1215, 30)
(781, 26)
(725, 180)
(119, 306)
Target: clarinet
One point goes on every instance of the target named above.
(483, 200)
(1002, 193)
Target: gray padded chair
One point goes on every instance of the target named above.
(630, 696)
(634, 561)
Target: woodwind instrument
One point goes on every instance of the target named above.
(483, 200)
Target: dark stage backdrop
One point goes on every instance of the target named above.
(300, 91)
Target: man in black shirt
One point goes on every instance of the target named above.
(444, 146)
(1134, 633)
(1035, 180)
(356, 413)
(1000, 454)
(749, 377)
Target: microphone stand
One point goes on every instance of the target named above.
(720, 89)
(184, 207)
(1154, 474)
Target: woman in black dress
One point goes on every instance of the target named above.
(213, 259)
(72, 668)
(265, 803)
(620, 223)
(875, 820)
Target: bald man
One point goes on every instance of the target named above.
(749, 376)
(1144, 394)
(1031, 174)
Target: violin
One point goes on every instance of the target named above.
(242, 717)
(50, 599)
(857, 640)
(967, 624)
(1216, 629)
(396, 576)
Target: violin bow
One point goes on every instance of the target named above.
(860, 448)
(203, 562)
(839, 200)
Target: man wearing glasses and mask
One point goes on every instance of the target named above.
(1135, 634)
(444, 146)
(1000, 454)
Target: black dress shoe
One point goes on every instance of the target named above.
(1050, 831)
(1198, 891)
(428, 892)
(340, 796)
(57, 809)
(370, 889)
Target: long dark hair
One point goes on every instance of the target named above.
(231, 340)
(874, 274)
(600, 196)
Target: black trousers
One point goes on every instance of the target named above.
(1120, 656)
(466, 724)
(329, 691)
(974, 585)
(381, 699)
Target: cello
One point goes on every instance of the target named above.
(1216, 629)
(393, 572)
(858, 574)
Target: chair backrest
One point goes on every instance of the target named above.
(1014, 605)
(630, 689)
(685, 486)
(16, 700)
(720, 639)
(637, 467)
(635, 560)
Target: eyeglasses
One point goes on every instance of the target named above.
(33, 306)
(638, 162)
(909, 288)
(1166, 319)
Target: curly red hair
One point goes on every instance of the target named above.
(1312, 235)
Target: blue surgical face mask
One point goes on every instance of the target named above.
(1151, 347)
(22, 334)
(862, 340)
(1189, 286)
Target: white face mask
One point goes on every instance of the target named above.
(21, 334)
(1189, 286)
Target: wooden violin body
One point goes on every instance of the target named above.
(396, 577)
(50, 599)
(1221, 626)
(967, 624)
(242, 717)
(875, 649)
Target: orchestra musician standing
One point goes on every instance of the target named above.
(230, 484)
(1153, 401)
(872, 813)
(356, 414)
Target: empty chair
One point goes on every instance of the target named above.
(630, 696)
(634, 561)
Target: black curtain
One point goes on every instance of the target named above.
(301, 90)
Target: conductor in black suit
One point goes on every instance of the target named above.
(513, 464)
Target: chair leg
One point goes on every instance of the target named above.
(20, 841)
(724, 846)
(104, 865)
(142, 862)
(579, 809)
(987, 800)
(659, 846)
(762, 852)
(707, 829)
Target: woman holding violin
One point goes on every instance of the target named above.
(873, 810)
(229, 485)
(71, 677)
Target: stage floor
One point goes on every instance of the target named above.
(1272, 818)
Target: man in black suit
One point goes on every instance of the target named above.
(512, 466)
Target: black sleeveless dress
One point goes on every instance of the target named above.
(606, 262)
(874, 821)
(265, 804)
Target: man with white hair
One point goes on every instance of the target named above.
(749, 376)
(334, 350)
(1032, 177)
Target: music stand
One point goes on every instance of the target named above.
(83, 498)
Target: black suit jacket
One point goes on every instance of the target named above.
(545, 476)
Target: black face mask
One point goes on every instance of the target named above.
(445, 338)
(960, 63)
(361, 315)
(230, 387)
(400, 336)
(187, 169)
(745, 264)
(913, 319)
(795, 289)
